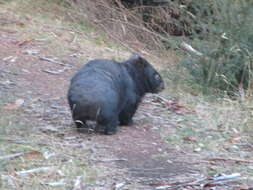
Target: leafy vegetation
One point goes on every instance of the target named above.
(227, 46)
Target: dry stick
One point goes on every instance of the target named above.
(161, 98)
(225, 177)
(54, 72)
(10, 156)
(53, 61)
(190, 49)
(20, 141)
(109, 160)
(36, 170)
(230, 159)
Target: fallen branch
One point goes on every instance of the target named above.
(109, 160)
(190, 49)
(54, 72)
(11, 156)
(57, 183)
(230, 159)
(32, 171)
(52, 60)
(20, 141)
(221, 180)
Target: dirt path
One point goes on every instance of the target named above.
(138, 150)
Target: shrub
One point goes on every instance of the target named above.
(227, 46)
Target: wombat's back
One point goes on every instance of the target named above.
(96, 87)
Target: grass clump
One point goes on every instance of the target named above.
(227, 45)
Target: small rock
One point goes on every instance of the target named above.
(197, 149)
(49, 128)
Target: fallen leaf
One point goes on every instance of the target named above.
(17, 104)
(189, 139)
(33, 155)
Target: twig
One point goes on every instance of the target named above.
(230, 159)
(161, 98)
(36, 170)
(226, 177)
(10, 156)
(110, 160)
(220, 180)
(54, 72)
(53, 61)
(57, 183)
(190, 49)
(20, 141)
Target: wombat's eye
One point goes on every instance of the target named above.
(157, 77)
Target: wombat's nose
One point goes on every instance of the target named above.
(161, 87)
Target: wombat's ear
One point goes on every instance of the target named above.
(137, 59)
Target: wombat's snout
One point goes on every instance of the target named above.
(161, 87)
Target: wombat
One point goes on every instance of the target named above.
(109, 92)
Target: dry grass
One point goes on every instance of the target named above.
(126, 26)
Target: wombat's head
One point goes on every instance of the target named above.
(152, 79)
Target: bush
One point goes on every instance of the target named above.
(227, 46)
(220, 29)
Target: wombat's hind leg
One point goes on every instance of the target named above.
(109, 126)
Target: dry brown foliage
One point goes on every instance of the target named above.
(125, 25)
